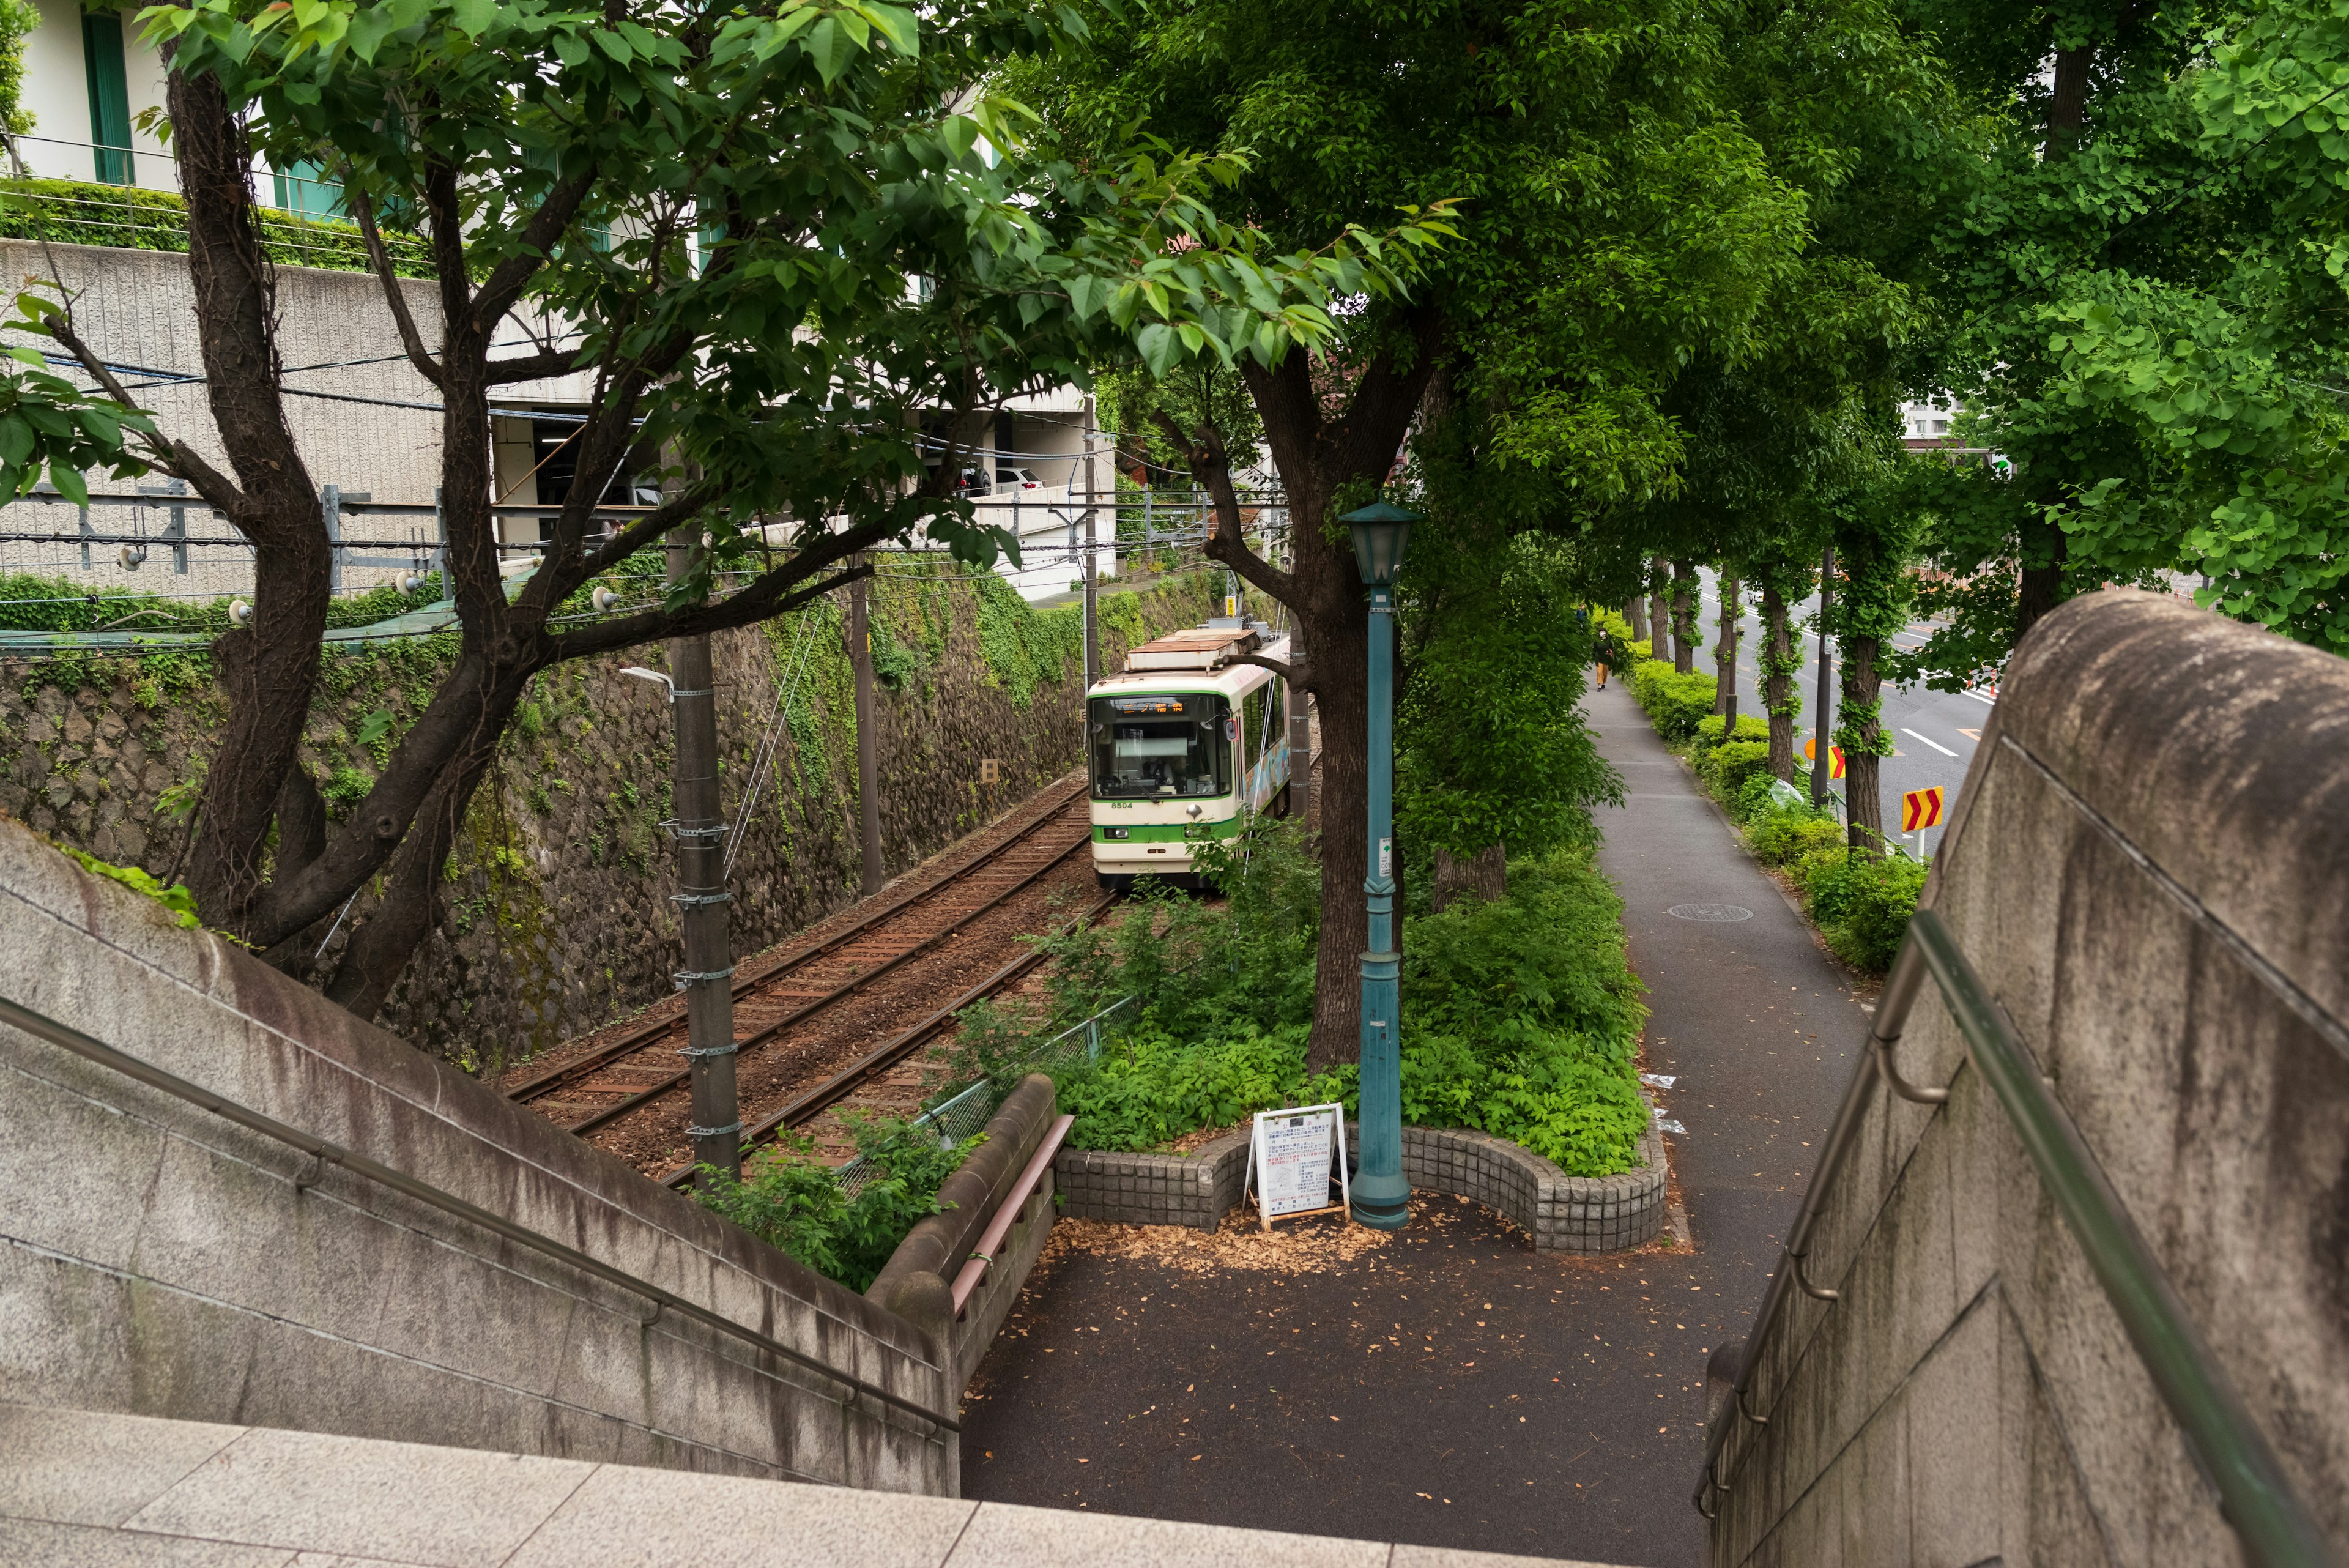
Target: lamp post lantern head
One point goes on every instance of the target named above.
(1380, 532)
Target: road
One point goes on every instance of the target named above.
(1933, 733)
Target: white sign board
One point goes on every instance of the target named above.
(1291, 1153)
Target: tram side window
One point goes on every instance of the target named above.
(1146, 747)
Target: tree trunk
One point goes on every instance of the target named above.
(1684, 617)
(268, 670)
(1635, 614)
(1863, 769)
(1778, 690)
(2043, 545)
(1316, 457)
(1484, 875)
(1725, 659)
(1659, 615)
(2043, 583)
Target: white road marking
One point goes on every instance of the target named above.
(1935, 744)
(1985, 702)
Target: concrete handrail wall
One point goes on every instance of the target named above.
(157, 1260)
(916, 1283)
(2145, 869)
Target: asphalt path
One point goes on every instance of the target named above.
(1933, 733)
(1447, 1386)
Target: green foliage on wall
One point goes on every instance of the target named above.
(1024, 647)
(129, 217)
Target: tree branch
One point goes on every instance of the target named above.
(1300, 675)
(538, 366)
(1211, 468)
(770, 597)
(363, 208)
(173, 457)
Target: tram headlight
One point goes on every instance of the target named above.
(1117, 833)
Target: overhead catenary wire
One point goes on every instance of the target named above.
(771, 742)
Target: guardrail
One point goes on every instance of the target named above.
(325, 1153)
(2271, 1520)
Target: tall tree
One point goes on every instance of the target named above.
(719, 209)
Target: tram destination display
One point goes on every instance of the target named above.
(1291, 1154)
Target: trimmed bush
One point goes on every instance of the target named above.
(1729, 767)
(1677, 703)
(1789, 836)
(1749, 728)
(1862, 903)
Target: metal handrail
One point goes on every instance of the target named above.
(325, 1153)
(2256, 1500)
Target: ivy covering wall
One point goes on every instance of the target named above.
(555, 914)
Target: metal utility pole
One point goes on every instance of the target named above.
(1093, 622)
(858, 636)
(699, 828)
(1823, 746)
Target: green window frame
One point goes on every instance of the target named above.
(304, 190)
(109, 99)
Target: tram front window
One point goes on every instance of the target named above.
(1151, 747)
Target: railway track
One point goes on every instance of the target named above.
(631, 1072)
(875, 1066)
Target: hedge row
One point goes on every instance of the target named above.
(126, 217)
(1861, 903)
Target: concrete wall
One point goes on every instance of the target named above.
(555, 917)
(157, 1260)
(2145, 867)
(1561, 1213)
(136, 307)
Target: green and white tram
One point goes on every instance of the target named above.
(1183, 747)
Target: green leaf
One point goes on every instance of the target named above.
(899, 25)
(70, 485)
(1157, 342)
(473, 17)
(1088, 293)
(16, 440)
(831, 49)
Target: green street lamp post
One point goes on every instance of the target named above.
(1381, 1196)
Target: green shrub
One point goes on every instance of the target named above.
(126, 217)
(1754, 799)
(1727, 768)
(1785, 837)
(1520, 1016)
(1749, 728)
(1677, 703)
(1862, 903)
(792, 1203)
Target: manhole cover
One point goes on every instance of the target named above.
(1709, 912)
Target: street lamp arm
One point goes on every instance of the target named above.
(1211, 470)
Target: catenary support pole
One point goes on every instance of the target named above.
(1093, 619)
(858, 636)
(1823, 745)
(699, 829)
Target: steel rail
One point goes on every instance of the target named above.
(658, 1029)
(326, 1153)
(2255, 1497)
(848, 988)
(900, 1045)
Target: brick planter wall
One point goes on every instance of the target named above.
(1562, 1213)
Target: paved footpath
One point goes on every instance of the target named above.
(1447, 1386)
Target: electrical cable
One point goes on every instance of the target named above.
(770, 744)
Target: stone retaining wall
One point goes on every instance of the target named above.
(1562, 1213)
